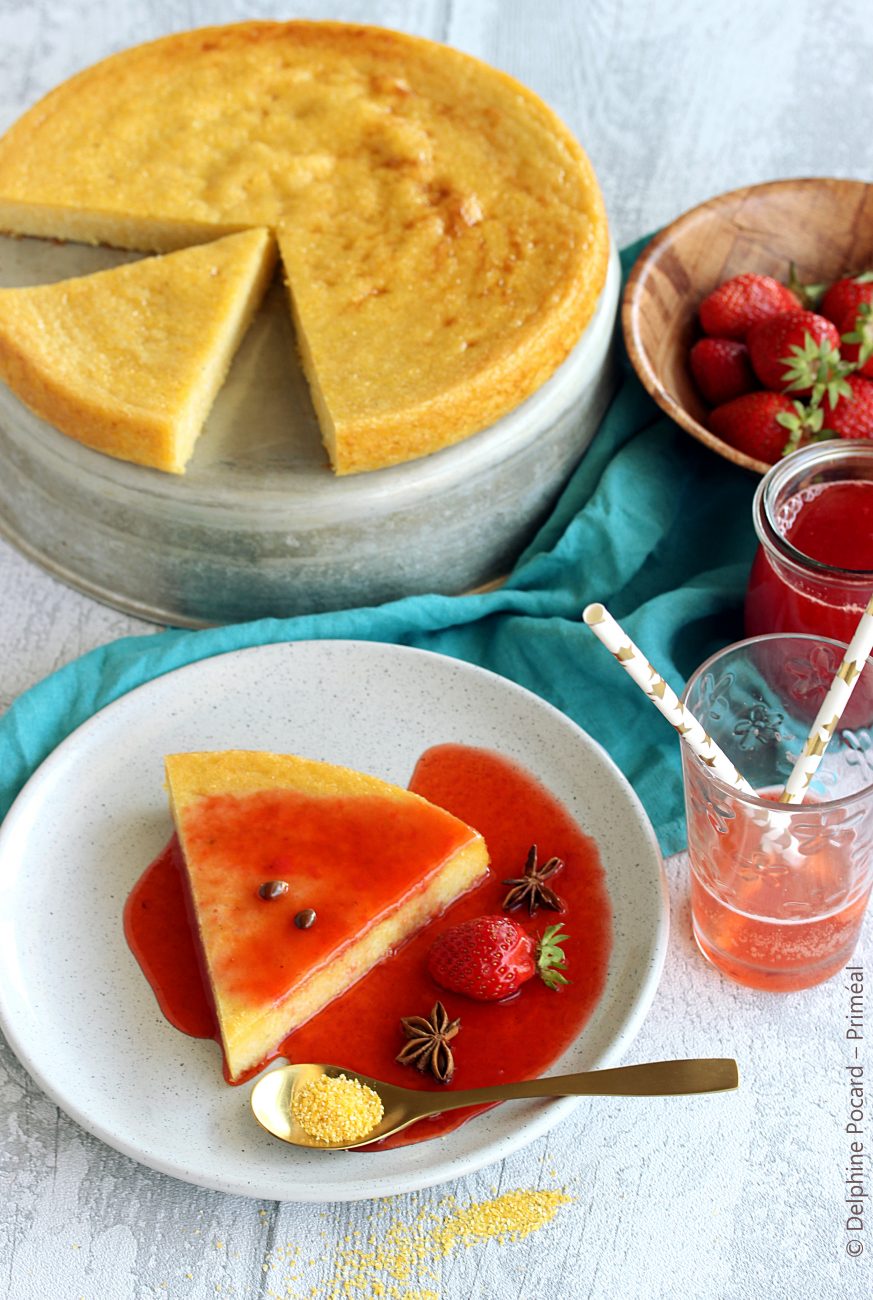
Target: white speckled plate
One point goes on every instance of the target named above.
(73, 1001)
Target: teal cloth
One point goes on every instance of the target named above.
(651, 524)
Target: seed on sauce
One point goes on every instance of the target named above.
(271, 889)
(303, 920)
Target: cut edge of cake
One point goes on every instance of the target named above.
(135, 232)
(476, 402)
(243, 1044)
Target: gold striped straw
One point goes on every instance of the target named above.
(832, 706)
(665, 700)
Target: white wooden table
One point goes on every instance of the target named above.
(733, 1198)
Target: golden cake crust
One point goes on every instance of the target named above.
(128, 361)
(443, 234)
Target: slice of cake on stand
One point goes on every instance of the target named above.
(303, 875)
(129, 360)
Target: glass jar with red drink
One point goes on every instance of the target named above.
(813, 514)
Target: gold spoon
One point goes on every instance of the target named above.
(271, 1096)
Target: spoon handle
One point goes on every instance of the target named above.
(654, 1079)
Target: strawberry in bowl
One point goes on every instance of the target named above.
(722, 369)
(730, 311)
(778, 374)
(787, 351)
(849, 304)
(722, 268)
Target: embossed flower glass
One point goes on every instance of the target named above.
(778, 892)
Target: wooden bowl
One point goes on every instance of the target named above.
(824, 226)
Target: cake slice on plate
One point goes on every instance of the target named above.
(128, 361)
(303, 876)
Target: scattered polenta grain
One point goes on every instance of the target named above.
(402, 1258)
(514, 1215)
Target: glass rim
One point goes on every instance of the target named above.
(762, 512)
(755, 801)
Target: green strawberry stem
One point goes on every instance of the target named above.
(862, 333)
(810, 295)
(804, 422)
(551, 962)
(820, 367)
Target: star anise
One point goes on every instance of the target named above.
(428, 1045)
(531, 888)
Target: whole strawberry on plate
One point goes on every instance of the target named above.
(490, 957)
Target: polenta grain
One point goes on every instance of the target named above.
(336, 1109)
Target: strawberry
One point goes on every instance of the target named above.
(856, 332)
(852, 417)
(490, 957)
(763, 424)
(734, 307)
(794, 351)
(721, 369)
(845, 296)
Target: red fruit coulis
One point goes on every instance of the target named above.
(498, 1041)
(831, 523)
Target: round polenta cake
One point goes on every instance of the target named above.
(442, 233)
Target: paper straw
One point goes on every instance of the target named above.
(665, 700)
(832, 706)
